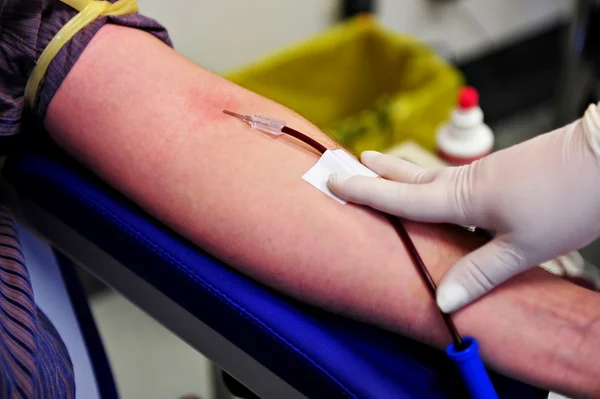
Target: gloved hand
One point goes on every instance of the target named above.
(542, 197)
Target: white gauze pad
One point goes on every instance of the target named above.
(336, 161)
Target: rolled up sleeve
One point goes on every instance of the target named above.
(26, 28)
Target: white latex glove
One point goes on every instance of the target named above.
(542, 197)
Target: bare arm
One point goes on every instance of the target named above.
(149, 122)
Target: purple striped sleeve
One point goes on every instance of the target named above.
(34, 362)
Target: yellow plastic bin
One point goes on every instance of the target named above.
(365, 86)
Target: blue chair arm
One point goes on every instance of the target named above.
(320, 354)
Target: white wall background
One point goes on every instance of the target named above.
(225, 34)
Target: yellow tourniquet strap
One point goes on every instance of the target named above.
(89, 10)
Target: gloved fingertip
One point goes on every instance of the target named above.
(336, 179)
(452, 296)
(367, 156)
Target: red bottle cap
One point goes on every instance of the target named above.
(468, 97)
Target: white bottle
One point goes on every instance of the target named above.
(465, 138)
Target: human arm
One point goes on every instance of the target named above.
(149, 122)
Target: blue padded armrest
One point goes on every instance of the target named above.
(320, 354)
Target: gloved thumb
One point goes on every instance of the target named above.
(477, 273)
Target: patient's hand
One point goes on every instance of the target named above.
(149, 122)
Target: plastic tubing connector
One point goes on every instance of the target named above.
(472, 369)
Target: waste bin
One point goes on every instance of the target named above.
(365, 86)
